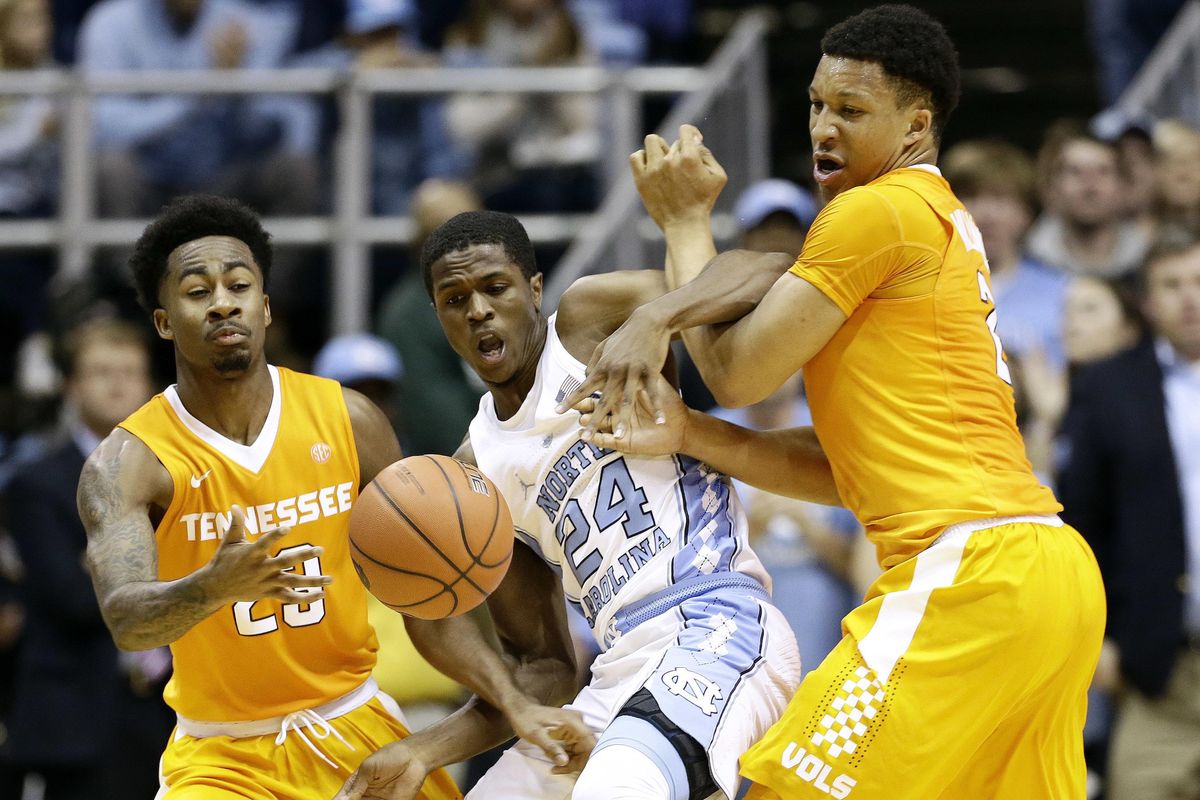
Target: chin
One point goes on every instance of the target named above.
(232, 364)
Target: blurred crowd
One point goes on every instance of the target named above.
(1094, 250)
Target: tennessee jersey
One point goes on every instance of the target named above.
(912, 398)
(254, 660)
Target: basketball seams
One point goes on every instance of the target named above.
(396, 507)
(462, 528)
(446, 587)
(478, 558)
(389, 519)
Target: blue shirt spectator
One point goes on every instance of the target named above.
(410, 141)
(184, 141)
(1030, 297)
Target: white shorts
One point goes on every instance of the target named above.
(722, 666)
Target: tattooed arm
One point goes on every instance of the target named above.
(121, 482)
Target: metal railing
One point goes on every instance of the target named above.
(351, 230)
(1168, 84)
(733, 112)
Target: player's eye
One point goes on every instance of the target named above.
(496, 288)
(817, 105)
(198, 291)
(240, 286)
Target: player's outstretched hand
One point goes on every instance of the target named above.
(623, 365)
(394, 772)
(242, 570)
(645, 437)
(559, 732)
(677, 183)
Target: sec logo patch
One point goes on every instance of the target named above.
(321, 452)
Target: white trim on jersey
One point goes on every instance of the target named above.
(248, 456)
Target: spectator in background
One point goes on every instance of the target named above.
(1082, 229)
(772, 215)
(86, 723)
(366, 364)
(997, 183)
(437, 400)
(410, 142)
(1100, 319)
(1130, 482)
(28, 188)
(258, 148)
(534, 152)
(1177, 174)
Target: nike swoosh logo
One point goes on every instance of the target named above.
(197, 481)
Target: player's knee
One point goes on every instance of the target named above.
(622, 772)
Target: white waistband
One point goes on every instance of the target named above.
(961, 530)
(262, 727)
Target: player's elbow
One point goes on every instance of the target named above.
(732, 390)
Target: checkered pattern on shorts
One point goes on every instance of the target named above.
(851, 711)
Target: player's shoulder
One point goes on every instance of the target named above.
(124, 466)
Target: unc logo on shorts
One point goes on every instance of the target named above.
(693, 687)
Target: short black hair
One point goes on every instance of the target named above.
(911, 46)
(478, 227)
(184, 220)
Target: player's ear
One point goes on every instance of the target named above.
(920, 125)
(162, 324)
(535, 288)
(267, 310)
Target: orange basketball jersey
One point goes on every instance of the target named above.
(257, 660)
(912, 398)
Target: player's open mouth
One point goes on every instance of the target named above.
(826, 167)
(491, 348)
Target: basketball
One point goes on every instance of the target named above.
(431, 537)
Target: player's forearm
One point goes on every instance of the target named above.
(461, 649)
(728, 288)
(469, 731)
(786, 462)
(148, 614)
(689, 248)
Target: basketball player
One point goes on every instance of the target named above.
(963, 674)
(217, 520)
(696, 661)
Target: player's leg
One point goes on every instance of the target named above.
(947, 645)
(644, 755)
(1037, 749)
(726, 673)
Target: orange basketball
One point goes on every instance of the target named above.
(431, 537)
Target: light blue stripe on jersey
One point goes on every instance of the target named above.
(711, 538)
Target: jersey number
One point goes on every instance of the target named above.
(985, 294)
(295, 615)
(618, 499)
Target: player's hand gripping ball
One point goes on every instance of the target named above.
(431, 537)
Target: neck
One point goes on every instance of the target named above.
(1089, 244)
(235, 407)
(925, 153)
(510, 395)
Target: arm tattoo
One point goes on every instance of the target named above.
(141, 611)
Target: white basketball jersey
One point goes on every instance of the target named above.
(617, 528)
